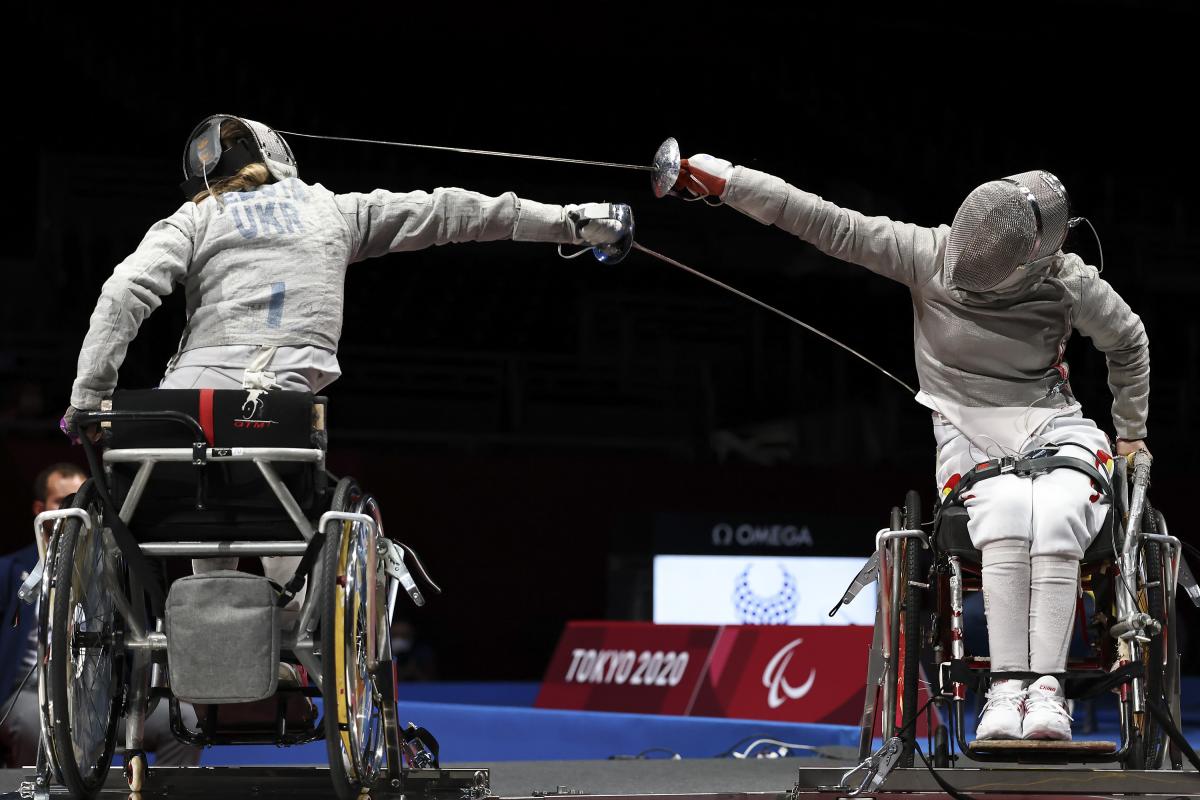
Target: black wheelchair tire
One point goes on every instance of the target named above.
(82, 780)
(911, 667)
(941, 748)
(1154, 740)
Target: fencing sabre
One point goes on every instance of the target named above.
(664, 170)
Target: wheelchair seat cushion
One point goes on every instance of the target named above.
(951, 537)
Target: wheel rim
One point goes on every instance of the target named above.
(363, 738)
(90, 659)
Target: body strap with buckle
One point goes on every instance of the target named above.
(1039, 463)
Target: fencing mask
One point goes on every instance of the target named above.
(1004, 224)
(205, 159)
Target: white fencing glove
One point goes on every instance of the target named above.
(596, 224)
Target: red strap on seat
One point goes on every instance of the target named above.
(206, 415)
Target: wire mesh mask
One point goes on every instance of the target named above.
(1004, 224)
(202, 156)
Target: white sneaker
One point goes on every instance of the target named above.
(1003, 712)
(1046, 715)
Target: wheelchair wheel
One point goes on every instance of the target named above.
(354, 718)
(1154, 654)
(85, 649)
(910, 623)
(1147, 739)
(941, 748)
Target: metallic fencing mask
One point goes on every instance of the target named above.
(1004, 224)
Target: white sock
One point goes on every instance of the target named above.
(1054, 587)
(1006, 604)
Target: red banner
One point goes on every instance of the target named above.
(792, 673)
(789, 673)
(628, 666)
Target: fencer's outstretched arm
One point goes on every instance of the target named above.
(135, 289)
(910, 254)
(383, 222)
(1105, 318)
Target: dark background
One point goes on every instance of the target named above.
(522, 418)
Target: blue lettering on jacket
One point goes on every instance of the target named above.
(266, 218)
(247, 227)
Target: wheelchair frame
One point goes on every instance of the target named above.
(139, 639)
(1127, 637)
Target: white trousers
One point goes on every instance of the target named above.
(1057, 513)
(1032, 533)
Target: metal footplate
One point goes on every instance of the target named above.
(1039, 747)
(286, 783)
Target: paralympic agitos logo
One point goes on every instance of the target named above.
(779, 691)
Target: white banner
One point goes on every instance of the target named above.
(758, 590)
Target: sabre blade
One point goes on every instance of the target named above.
(473, 151)
(772, 309)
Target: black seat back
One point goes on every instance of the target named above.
(238, 501)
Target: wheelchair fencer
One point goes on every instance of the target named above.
(207, 473)
(1132, 569)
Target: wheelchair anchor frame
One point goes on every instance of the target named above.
(382, 562)
(1128, 635)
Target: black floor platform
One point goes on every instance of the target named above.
(702, 779)
(765, 778)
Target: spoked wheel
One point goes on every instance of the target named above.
(85, 649)
(352, 638)
(910, 624)
(1154, 654)
(1147, 739)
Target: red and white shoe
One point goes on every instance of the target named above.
(1046, 715)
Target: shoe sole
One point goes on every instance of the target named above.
(1047, 736)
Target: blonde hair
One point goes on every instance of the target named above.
(248, 177)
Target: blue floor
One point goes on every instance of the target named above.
(508, 728)
(497, 722)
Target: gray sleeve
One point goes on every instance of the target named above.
(1106, 319)
(389, 222)
(135, 289)
(910, 254)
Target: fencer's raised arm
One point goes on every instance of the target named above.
(1104, 317)
(910, 254)
(265, 267)
(382, 222)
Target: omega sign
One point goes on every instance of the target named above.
(746, 535)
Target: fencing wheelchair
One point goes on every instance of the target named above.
(1129, 574)
(214, 473)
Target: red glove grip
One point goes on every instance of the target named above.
(697, 182)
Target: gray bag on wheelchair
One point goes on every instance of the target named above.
(223, 637)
